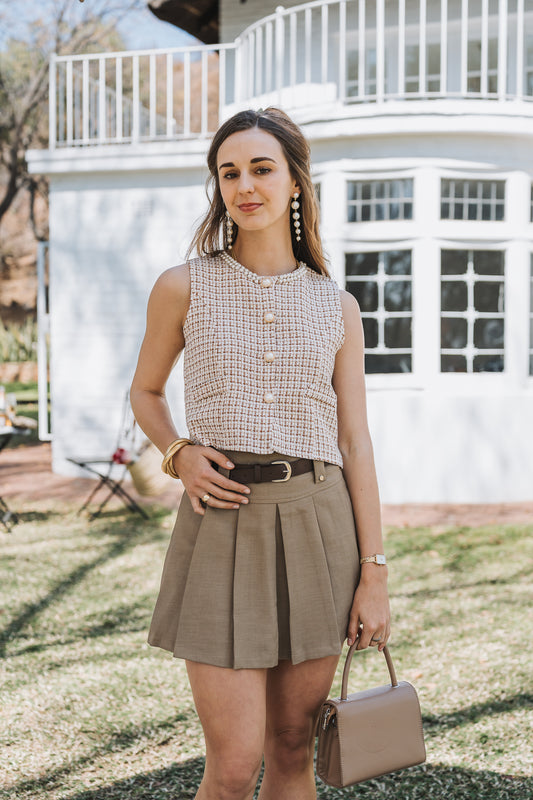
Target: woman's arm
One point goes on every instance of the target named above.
(162, 344)
(370, 609)
(161, 348)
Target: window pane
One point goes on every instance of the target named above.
(366, 294)
(387, 363)
(453, 363)
(362, 263)
(398, 332)
(408, 211)
(488, 262)
(488, 296)
(454, 296)
(398, 296)
(394, 210)
(488, 333)
(397, 262)
(488, 363)
(370, 328)
(352, 213)
(352, 190)
(380, 212)
(366, 191)
(454, 262)
(453, 333)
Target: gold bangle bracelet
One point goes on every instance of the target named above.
(174, 447)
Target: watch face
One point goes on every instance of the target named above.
(380, 559)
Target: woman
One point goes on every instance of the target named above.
(262, 580)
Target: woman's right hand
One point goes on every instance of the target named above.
(199, 478)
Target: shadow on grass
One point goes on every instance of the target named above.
(124, 540)
(39, 516)
(454, 587)
(181, 781)
(439, 722)
(122, 619)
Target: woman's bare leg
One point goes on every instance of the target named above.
(231, 707)
(295, 694)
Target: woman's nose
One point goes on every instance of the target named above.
(245, 183)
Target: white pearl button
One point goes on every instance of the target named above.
(266, 283)
(268, 397)
(268, 316)
(269, 356)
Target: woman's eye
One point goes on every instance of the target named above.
(263, 170)
(230, 175)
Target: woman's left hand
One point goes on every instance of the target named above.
(370, 615)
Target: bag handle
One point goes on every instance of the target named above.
(347, 663)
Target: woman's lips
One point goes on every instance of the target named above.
(247, 207)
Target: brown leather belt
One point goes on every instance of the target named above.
(276, 471)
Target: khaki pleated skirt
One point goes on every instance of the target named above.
(272, 580)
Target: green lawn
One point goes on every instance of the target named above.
(90, 712)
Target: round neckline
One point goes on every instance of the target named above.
(284, 276)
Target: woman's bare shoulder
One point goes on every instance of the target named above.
(175, 279)
(349, 305)
(172, 291)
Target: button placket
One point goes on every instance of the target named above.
(268, 344)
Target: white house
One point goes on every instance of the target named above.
(420, 119)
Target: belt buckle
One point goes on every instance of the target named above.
(287, 476)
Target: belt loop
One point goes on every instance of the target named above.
(257, 473)
(320, 471)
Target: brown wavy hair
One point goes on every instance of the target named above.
(210, 236)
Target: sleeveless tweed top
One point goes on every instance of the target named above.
(259, 357)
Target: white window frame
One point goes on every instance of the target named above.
(425, 235)
(470, 315)
(381, 314)
(479, 201)
(374, 201)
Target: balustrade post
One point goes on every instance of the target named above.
(52, 100)
(280, 51)
(237, 80)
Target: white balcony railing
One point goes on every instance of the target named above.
(323, 52)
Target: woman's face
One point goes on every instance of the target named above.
(255, 181)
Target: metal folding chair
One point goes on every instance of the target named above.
(105, 469)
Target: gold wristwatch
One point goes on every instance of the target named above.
(377, 558)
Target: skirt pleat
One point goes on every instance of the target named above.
(272, 580)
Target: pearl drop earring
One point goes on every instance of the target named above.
(229, 231)
(296, 216)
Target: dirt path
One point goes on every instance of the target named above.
(26, 475)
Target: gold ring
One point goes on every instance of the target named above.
(205, 497)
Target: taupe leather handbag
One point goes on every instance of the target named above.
(370, 733)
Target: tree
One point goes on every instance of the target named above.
(26, 44)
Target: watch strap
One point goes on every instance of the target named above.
(376, 558)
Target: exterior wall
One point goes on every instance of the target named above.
(112, 233)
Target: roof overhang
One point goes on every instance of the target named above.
(199, 18)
